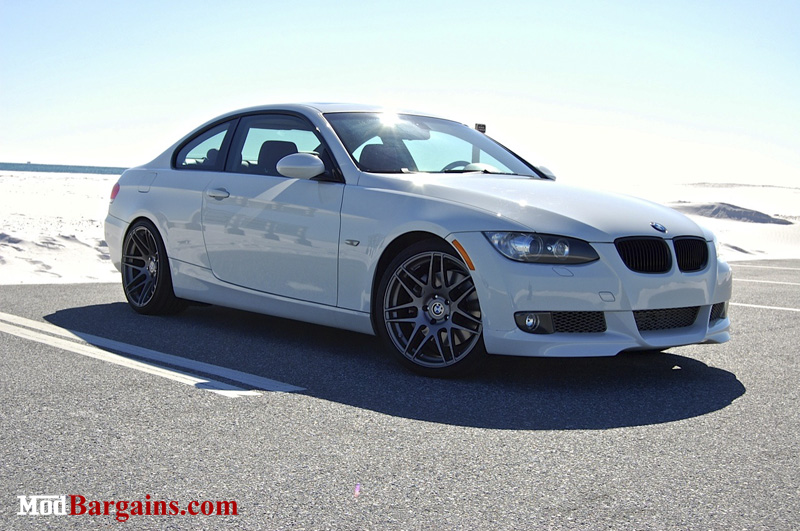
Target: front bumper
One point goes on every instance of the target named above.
(506, 287)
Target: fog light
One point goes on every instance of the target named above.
(534, 322)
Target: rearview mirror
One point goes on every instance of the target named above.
(301, 166)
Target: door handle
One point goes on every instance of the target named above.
(218, 193)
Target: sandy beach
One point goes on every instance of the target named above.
(51, 224)
(51, 228)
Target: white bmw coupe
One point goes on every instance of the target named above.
(421, 230)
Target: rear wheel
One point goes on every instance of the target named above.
(429, 313)
(146, 278)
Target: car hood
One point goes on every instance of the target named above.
(551, 207)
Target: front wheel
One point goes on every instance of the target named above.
(428, 311)
(146, 278)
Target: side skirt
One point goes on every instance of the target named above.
(199, 284)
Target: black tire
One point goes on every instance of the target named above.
(427, 311)
(146, 278)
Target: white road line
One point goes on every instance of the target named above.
(736, 265)
(248, 379)
(257, 382)
(766, 281)
(765, 307)
(99, 354)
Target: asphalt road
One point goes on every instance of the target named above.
(698, 437)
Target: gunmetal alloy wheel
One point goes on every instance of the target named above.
(430, 312)
(146, 278)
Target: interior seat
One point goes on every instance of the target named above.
(271, 152)
(384, 158)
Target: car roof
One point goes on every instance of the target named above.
(326, 108)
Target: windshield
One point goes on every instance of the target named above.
(404, 143)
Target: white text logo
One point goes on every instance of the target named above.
(42, 505)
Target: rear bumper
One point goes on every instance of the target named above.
(114, 229)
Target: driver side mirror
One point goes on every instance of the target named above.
(301, 166)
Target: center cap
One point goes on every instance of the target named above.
(437, 308)
(152, 266)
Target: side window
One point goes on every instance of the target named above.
(262, 140)
(204, 152)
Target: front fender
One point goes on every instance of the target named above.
(373, 218)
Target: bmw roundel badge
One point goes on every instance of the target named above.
(658, 226)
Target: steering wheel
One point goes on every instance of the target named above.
(455, 164)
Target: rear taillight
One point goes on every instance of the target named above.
(114, 192)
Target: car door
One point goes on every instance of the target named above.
(267, 232)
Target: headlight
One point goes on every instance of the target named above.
(541, 248)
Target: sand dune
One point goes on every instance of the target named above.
(51, 225)
(751, 221)
(727, 211)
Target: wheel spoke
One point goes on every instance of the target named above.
(140, 244)
(132, 267)
(402, 320)
(437, 342)
(431, 270)
(456, 326)
(418, 350)
(468, 292)
(144, 294)
(442, 348)
(417, 282)
(405, 306)
(442, 271)
(151, 243)
(467, 316)
(409, 290)
(411, 337)
(135, 267)
(455, 289)
(135, 281)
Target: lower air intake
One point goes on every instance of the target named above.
(669, 319)
(717, 312)
(579, 322)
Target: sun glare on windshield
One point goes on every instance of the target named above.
(389, 119)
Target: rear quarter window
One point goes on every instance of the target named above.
(205, 151)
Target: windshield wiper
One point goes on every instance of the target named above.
(489, 172)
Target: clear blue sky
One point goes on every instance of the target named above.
(595, 90)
